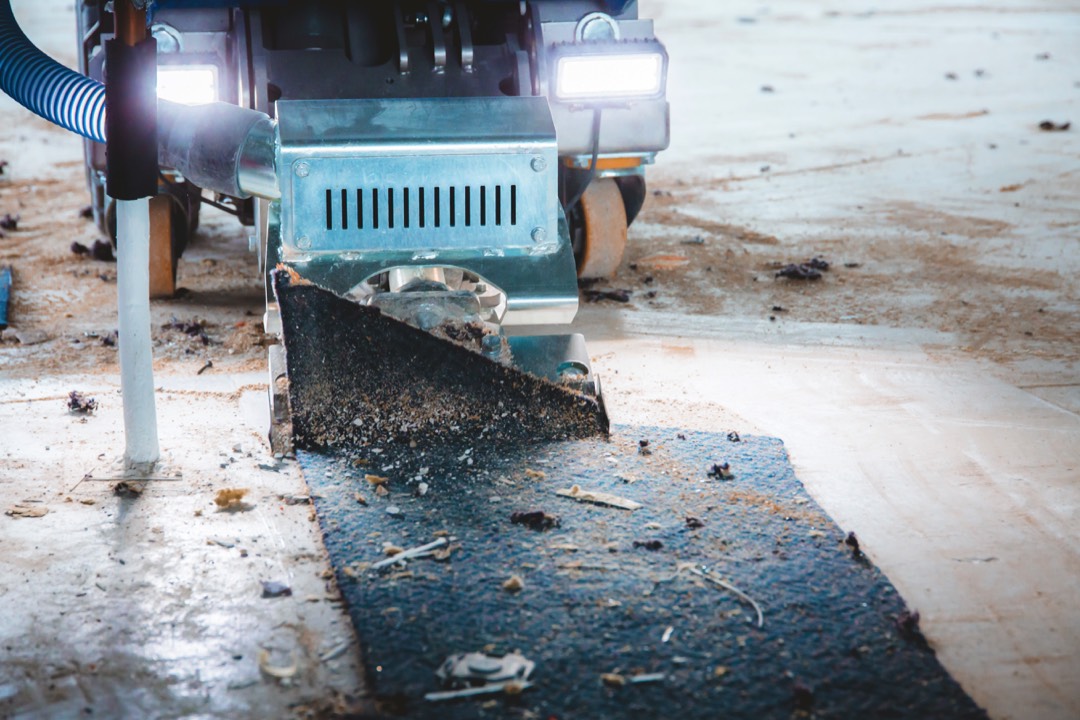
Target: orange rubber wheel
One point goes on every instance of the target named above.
(605, 229)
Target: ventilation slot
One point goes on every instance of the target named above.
(409, 208)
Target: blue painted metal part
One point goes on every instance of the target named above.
(5, 294)
(602, 589)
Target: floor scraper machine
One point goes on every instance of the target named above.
(426, 181)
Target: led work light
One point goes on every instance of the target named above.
(609, 71)
(186, 84)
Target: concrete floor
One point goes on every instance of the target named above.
(918, 411)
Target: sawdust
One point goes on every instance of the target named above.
(231, 499)
(925, 268)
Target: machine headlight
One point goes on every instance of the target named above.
(609, 75)
(186, 84)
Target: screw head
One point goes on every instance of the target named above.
(304, 242)
(302, 169)
(539, 164)
(539, 234)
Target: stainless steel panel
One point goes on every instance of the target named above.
(392, 175)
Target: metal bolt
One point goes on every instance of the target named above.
(302, 169)
(304, 242)
(539, 234)
(539, 164)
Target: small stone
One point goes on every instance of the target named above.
(514, 584)
(393, 510)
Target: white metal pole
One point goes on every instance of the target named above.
(136, 355)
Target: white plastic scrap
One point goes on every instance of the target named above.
(508, 674)
(411, 553)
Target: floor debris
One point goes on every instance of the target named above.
(708, 575)
(667, 634)
(9, 222)
(694, 523)
(512, 687)
(471, 674)
(100, 250)
(128, 489)
(853, 542)
(721, 471)
(599, 498)
(79, 404)
(803, 696)
(1051, 126)
(410, 554)
(647, 678)
(536, 520)
(231, 499)
(801, 271)
(275, 589)
(613, 680)
(335, 652)
(514, 584)
(26, 511)
(617, 295)
(652, 545)
(664, 262)
(907, 626)
(281, 672)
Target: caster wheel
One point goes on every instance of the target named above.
(601, 231)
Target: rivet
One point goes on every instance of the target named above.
(302, 169)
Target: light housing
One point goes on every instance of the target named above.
(609, 71)
(187, 84)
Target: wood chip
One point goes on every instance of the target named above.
(599, 498)
(664, 262)
(27, 511)
(535, 474)
(376, 479)
(614, 680)
(231, 498)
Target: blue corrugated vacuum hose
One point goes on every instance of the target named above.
(44, 86)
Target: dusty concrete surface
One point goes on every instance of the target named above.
(927, 386)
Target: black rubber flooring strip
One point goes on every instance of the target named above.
(602, 589)
(347, 361)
